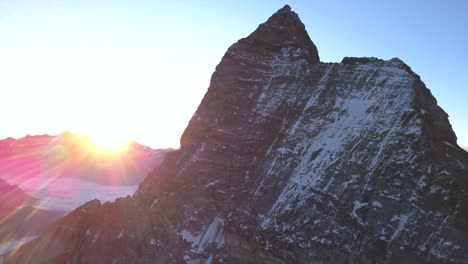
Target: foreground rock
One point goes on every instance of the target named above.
(289, 160)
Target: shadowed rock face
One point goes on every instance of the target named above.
(289, 160)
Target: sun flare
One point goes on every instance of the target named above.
(108, 141)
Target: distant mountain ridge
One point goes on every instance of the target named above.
(59, 173)
(69, 155)
(11, 196)
(19, 220)
(289, 160)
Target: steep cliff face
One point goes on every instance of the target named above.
(289, 160)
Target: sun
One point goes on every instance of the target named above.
(108, 142)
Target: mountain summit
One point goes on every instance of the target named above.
(283, 29)
(289, 160)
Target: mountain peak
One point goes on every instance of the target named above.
(284, 29)
(283, 15)
(285, 8)
(299, 160)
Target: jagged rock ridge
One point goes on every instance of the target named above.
(289, 160)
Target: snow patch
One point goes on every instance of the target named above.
(95, 237)
(357, 206)
(450, 145)
(210, 184)
(402, 221)
(212, 235)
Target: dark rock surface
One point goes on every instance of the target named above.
(289, 160)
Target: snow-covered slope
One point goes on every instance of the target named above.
(289, 160)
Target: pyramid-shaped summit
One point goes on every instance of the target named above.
(289, 160)
(285, 29)
(282, 30)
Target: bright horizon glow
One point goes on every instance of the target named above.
(137, 70)
(108, 141)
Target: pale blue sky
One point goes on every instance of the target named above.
(138, 69)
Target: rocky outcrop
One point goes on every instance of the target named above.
(289, 160)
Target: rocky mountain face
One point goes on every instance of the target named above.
(289, 160)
